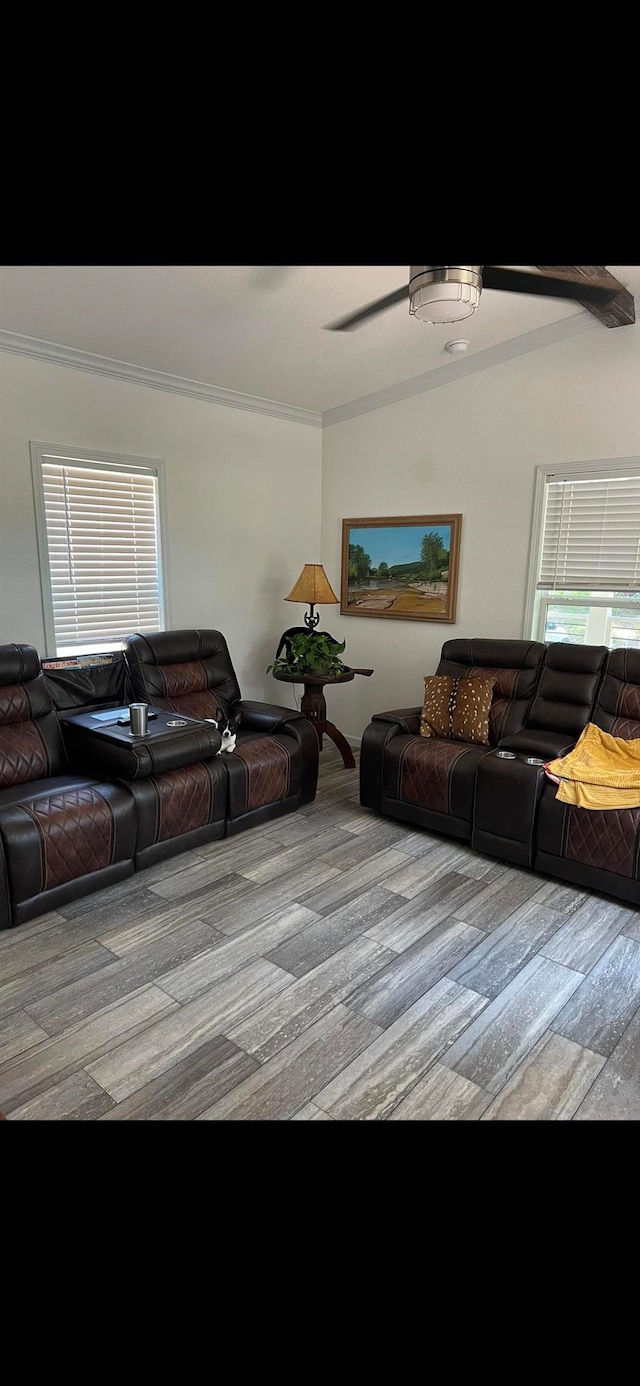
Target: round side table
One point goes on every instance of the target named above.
(314, 706)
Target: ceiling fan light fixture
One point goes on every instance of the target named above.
(444, 293)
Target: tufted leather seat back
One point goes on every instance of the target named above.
(516, 667)
(618, 707)
(31, 746)
(188, 671)
(567, 689)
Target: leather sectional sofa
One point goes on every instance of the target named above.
(83, 805)
(61, 832)
(274, 767)
(497, 797)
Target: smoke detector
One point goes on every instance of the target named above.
(457, 347)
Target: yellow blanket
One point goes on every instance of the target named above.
(601, 772)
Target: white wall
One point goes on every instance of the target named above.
(471, 447)
(243, 503)
(244, 497)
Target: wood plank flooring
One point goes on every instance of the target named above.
(328, 966)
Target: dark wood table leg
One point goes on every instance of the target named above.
(314, 706)
(342, 744)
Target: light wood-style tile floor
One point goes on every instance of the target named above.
(328, 966)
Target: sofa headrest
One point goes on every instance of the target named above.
(567, 688)
(18, 663)
(575, 659)
(495, 654)
(624, 665)
(618, 708)
(177, 646)
(183, 670)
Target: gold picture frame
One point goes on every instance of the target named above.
(401, 567)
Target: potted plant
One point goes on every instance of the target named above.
(310, 652)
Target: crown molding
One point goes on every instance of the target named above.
(235, 399)
(155, 380)
(468, 365)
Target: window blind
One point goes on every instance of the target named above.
(591, 539)
(102, 539)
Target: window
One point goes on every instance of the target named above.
(585, 572)
(98, 520)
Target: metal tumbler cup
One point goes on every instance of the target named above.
(139, 714)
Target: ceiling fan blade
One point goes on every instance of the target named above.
(550, 286)
(379, 306)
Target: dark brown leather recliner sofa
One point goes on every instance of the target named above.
(598, 848)
(274, 767)
(62, 833)
(78, 811)
(503, 804)
(429, 780)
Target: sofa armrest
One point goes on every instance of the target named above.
(265, 717)
(547, 744)
(383, 728)
(407, 718)
(111, 751)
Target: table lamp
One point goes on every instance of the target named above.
(313, 586)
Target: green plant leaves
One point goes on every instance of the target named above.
(311, 653)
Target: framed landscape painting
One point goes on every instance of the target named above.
(404, 567)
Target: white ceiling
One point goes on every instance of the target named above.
(260, 329)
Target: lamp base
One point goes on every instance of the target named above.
(311, 620)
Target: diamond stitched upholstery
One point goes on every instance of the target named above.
(185, 800)
(505, 679)
(425, 773)
(77, 833)
(623, 727)
(268, 770)
(23, 754)
(14, 704)
(497, 716)
(504, 690)
(187, 690)
(190, 677)
(201, 705)
(629, 701)
(603, 838)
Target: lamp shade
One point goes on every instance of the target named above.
(312, 586)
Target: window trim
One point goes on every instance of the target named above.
(574, 471)
(96, 458)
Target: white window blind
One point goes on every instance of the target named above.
(103, 552)
(591, 538)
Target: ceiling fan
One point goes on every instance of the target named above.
(449, 293)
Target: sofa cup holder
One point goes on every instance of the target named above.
(527, 760)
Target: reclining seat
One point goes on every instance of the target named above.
(274, 767)
(508, 791)
(431, 780)
(598, 848)
(62, 835)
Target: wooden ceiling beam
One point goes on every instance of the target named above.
(618, 311)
